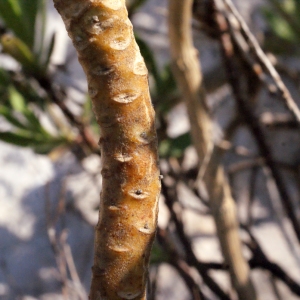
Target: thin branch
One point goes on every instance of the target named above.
(260, 260)
(180, 265)
(263, 59)
(278, 121)
(234, 77)
(211, 174)
(170, 197)
(58, 98)
(61, 248)
(118, 86)
(152, 282)
(52, 236)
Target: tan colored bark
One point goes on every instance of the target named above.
(188, 75)
(118, 86)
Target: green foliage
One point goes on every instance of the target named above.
(17, 49)
(27, 44)
(21, 99)
(20, 19)
(164, 83)
(174, 147)
(133, 5)
(164, 94)
(284, 23)
(89, 117)
(158, 255)
(27, 129)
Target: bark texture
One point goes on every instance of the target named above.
(118, 86)
(189, 78)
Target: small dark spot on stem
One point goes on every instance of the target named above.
(138, 192)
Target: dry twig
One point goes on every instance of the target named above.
(261, 57)
(234, 68)
(189, 78)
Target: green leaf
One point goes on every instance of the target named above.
(17, 49)
(29, 13)
(174, 147)
(19, 16)
(11, 13)
(42, 46)
(133, 5)
(16, 100)
(288, 6)
(8, 115)
(48, 52)
(158, 255)
(4, 78)
(46, 147)
(37, 142)
(168, 83)
(27, 20)
(285, 19)
(19, 104)
(18, 139)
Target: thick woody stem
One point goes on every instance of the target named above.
(118, 86)
(188, 75)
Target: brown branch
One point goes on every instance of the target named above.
(231, 60)
(152, 284)
(260, 260)
(54, 240)
(278, 121)
(170, 197)
(180, 265)
(60, 247)
(58, 98)
(118, 86)
(189, 78)
(262, 58)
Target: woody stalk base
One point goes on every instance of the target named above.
(118, 86)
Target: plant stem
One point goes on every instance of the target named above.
(118, 86)
(188, 75)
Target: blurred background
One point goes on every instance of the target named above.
(50, 162)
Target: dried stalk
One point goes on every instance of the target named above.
(235, 77)
(170, 199)
(117, 78)
(188, 75)
(235, 19)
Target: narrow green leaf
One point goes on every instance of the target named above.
(19, 104)
(36, 142)
(18, 139)
(40, 47)
(168, 83)
(174, 147)
(4, 78)
(12, 12)
(16, 100)
(158, 255)
(134, 5)
(8, 115)
(18, 50)
(34, 123)
(46, 147)
(29, 13)
(49, 51)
